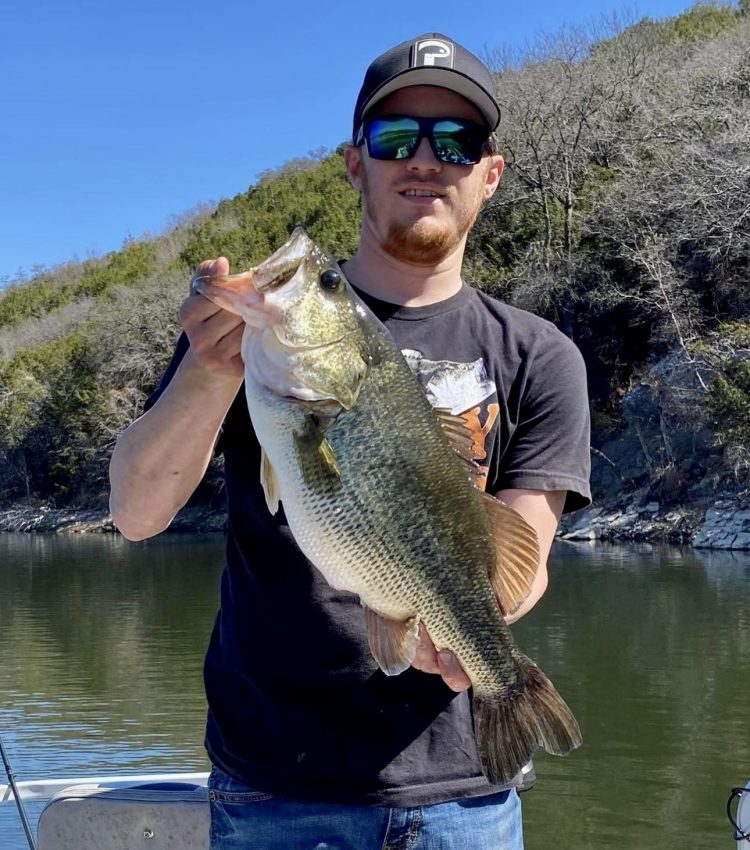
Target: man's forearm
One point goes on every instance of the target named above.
(160, 459)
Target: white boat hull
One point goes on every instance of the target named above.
(154, 811)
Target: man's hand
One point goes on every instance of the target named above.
(429, 660)
(215, 334)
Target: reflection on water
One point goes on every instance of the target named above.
(103, 642)
(101, 657)
(652, 648)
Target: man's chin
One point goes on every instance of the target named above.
(422, 243)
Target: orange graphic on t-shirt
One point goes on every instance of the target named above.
(479, 435)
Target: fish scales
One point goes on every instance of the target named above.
(378, 499)
(390, 519)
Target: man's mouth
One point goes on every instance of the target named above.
(420, 193)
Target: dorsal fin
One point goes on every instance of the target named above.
(516, 554)
(461, 438)
(516, 546)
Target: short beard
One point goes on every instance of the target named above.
(420, 243)
(426, 243)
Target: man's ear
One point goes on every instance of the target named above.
(353, 162)
(494, 173)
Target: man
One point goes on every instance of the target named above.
(312, 746)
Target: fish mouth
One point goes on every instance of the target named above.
(283, 264)
(270, 275)
(323, 407)
(275, 276)
(292, 345)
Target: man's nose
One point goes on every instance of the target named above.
(424, 158)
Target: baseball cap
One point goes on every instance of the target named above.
(430, 59)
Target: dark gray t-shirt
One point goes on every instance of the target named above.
(297, 706)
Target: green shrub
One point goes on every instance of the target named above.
(729, 393)
(251, 226)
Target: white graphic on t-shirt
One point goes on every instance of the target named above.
(460, 388)
(452, 386)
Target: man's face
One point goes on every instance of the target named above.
(414, 228)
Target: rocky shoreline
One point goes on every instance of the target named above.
(47, 520)
(724, 524)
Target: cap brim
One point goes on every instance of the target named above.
(446, 78)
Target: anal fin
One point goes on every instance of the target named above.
(393, 643)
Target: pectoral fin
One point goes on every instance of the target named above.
(516, 554)
(268, 482)
(393, 643)
(329, 458)
(317, 459)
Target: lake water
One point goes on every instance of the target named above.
(102, 648)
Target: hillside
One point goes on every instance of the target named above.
(623, 217)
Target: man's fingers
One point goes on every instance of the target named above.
(425, 658)
(230, 344)
(429, 660)
(215, 334)
(212, 268)
(452, 672)
(196, 310)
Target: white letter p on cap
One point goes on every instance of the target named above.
(434, 51)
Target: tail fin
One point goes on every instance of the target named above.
(510, 727)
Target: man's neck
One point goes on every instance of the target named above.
(377, 273)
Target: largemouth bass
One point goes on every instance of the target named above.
(380, 493)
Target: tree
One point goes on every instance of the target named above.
(560, 111)
(678, 212)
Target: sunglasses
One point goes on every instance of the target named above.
(453, 140)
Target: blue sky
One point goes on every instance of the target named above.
(117, 116)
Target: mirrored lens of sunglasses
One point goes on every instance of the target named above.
(457, 143)
(394, 138)
(452, 141)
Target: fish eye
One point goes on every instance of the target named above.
(330, 279)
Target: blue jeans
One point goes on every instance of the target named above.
(244, 819)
